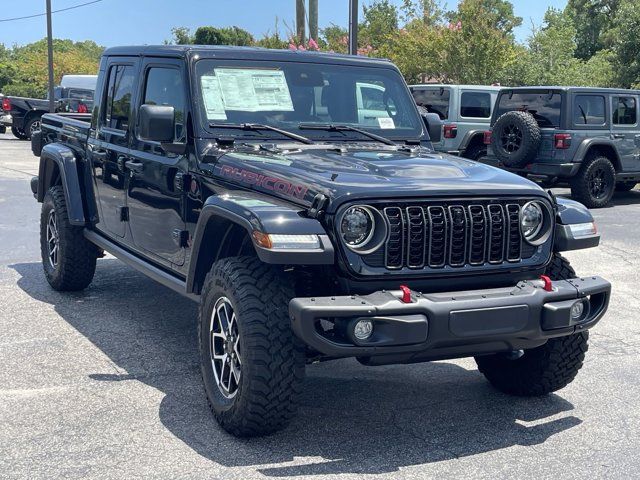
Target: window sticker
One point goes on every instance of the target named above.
(254, 90)
(386, 122)
(212, 96)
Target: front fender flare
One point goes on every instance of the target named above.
(55, 154)
(254, 214)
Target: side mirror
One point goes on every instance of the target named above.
(156, 123)
(434, 126)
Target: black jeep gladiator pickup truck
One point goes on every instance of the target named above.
(309, 225)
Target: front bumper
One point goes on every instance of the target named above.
(448, 325)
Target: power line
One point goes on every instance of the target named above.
(54, 11)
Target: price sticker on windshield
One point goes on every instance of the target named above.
(386, 123)
(212, 96)
(254, 90)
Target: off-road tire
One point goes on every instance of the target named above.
(581, 188)
(543, 369)
(273, 361)
(76, 255)
(475, 152)
(625, 186)
(529, 143)
(29, 125)
(19, 134)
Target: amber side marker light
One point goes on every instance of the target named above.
(275, 241)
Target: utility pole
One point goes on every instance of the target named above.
(300, 21)
(353, 27)
(52, 102)
(313, 19)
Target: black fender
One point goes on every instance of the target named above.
(469, 136)
(59, 162)
(604, 144)
(252, 214)
(570, 212)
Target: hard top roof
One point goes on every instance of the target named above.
(462, 87)
(574, 89)
(242, 53)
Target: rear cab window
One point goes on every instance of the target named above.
(545, 106)
(475, 105)
(435, 100)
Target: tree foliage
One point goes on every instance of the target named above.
(24, 71)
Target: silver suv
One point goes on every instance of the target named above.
(466, 112)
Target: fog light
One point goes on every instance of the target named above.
(577, 309)
(363, 329)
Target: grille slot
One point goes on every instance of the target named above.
(514, 240)
(438, 238)
(394, 255)
(432, 235)
(417, 234)
(496, 233)
(478, 239)
(457, 236)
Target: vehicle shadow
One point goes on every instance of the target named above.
(353, 419)
(619, 198)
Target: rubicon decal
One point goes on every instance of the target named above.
(265, 181)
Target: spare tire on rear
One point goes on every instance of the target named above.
(515, 139)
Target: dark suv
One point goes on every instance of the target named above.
(310, 226)
(588, 137)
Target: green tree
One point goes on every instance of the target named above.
(222, 36)
(26, 66)
(624, 41)
(592, 19)
(469, 49)
(550, 58)
(380, 19)
(181, 36)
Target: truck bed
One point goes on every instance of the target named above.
(71, 128)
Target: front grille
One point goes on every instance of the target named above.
(452, 235)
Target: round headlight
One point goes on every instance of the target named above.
(357, 226)
(531, 220)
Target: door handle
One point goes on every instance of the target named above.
(618, 135)
(134, 166)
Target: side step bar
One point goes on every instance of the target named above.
(155, 273)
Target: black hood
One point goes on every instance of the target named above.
(361, 174)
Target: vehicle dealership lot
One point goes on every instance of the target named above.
(106, 383)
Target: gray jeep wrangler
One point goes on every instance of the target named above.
(587, 137)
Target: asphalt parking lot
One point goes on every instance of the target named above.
(105, 383)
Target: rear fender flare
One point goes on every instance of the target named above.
(220, 212)
(469, 137)
(589, 144)
(59, 160)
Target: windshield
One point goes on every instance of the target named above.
(544, 106)
(295, 96)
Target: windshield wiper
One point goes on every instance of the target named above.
(259, 126)
(330, 127)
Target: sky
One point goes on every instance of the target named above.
(136, 22)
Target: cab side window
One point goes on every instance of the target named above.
(624, 111)
(165, 86)
(118, 101)
(589, 110)
(475, 105)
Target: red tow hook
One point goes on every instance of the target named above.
(406, 294)
(548, 286)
